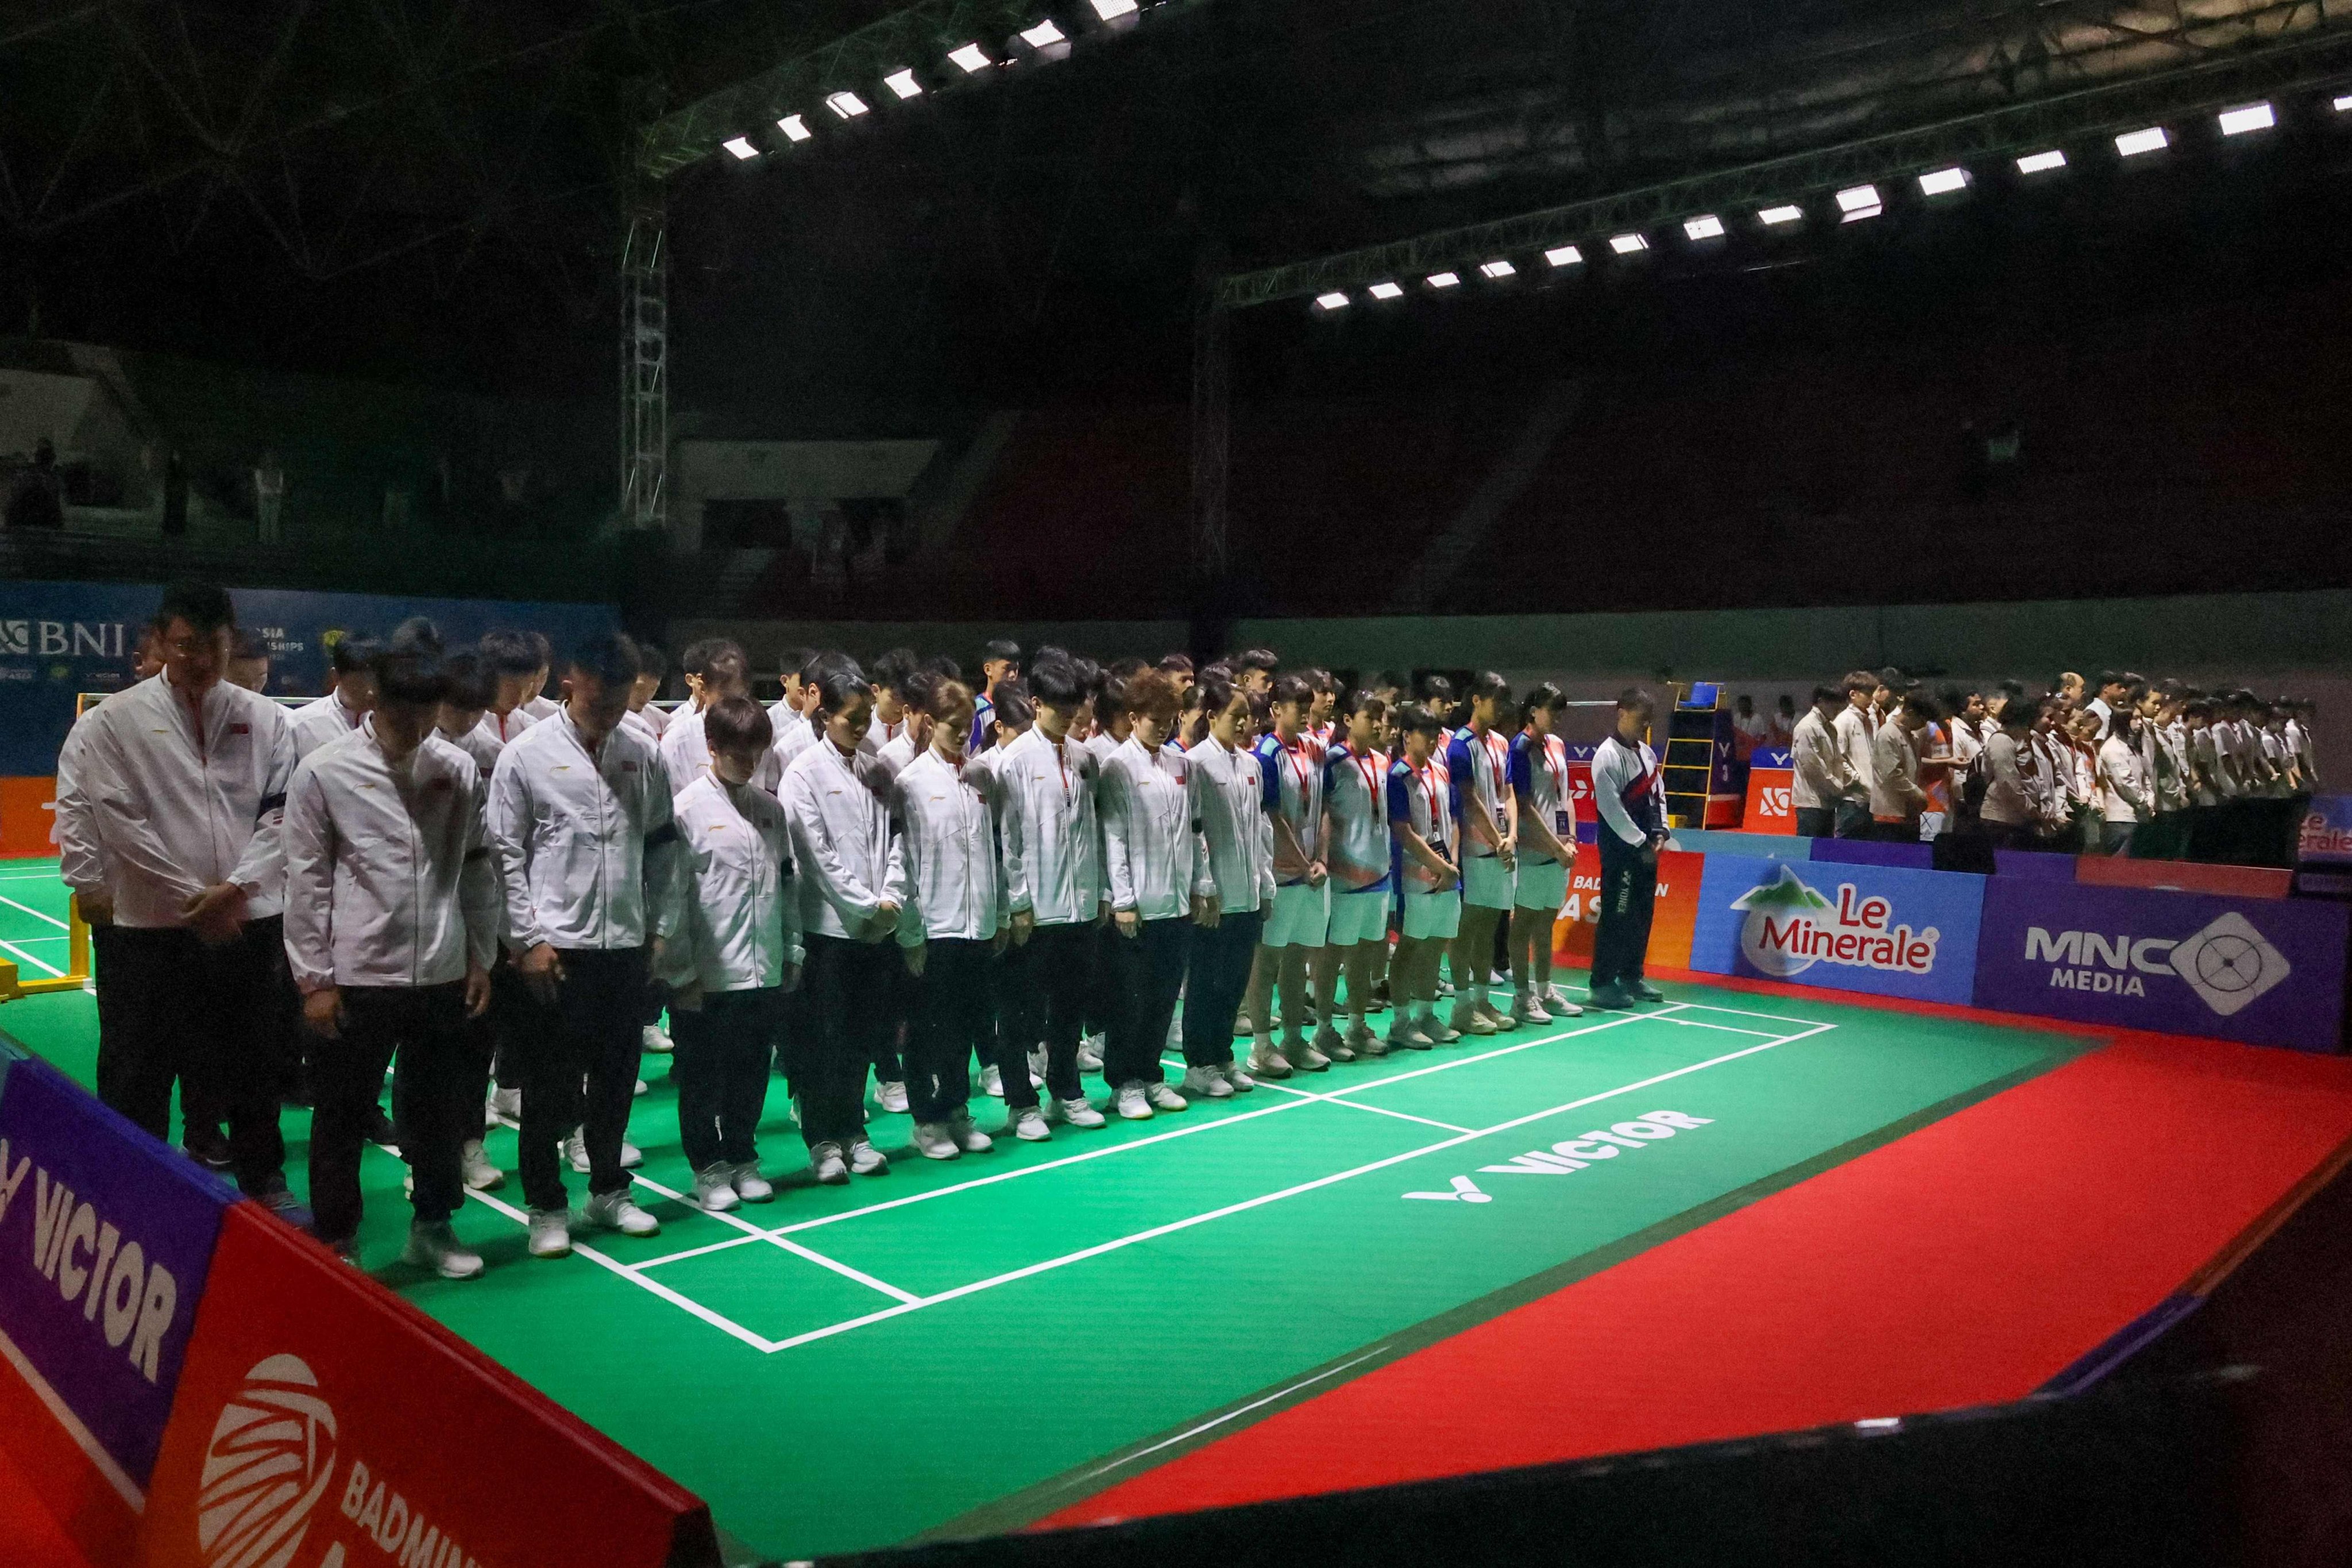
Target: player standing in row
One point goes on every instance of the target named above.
(1236, 887)
(1362, 880)
(347, 701)
(1478, 758)
(1290, 774)
(1547, 828)
(1153, 866)
(1422, 804)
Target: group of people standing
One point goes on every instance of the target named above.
(497, 896)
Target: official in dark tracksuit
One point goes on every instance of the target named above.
(1631, 796)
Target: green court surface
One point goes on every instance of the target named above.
(965, 1346)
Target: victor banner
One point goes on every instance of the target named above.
(1847, 927)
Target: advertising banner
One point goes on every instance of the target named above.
(2325, 838)
(1772, 807)
(1579, 790)
(1848, 927)
(106, 1240)
(2266, 972)
(1908, 853)
(2184, 876)
(1670, 916)
(1756, 846)
(322, 1420)
(2034, 865)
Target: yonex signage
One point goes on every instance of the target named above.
(2261, 970)
(1849, 928)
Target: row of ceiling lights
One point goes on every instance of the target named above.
(1044, 40)
(1855, 203)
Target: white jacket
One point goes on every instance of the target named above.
(896, 757)
(1229, 816)
(480, 745)
(741, 925)
(650, 720)
(1853, 731)
(317, 722)
(541, 708)
(686, 755)
(1052, 848)
(506, 731)
(586, 845)
(1151, 858)
(1821, 773)
(794, 734)
(841, 841)
(389, 880)
(75, 829)
(947, 852)
(180, 802)
(2123, 781)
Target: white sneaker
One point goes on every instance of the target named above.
(1132, 1106)
(436, 1246)
(892, 1096)
(992, 1083)
(656, 1040)
(1438, 1030)
(1079, 1112)
(619, 1211)
(480, 1174)
(968, 1138)
(831, 1169)
(1090, 1051)
(1332, 1046)
(630, 1155)
(1305, 1058)
(714, 1188)
(1163, 1098)
(550, 1233)
(1502, 1021)
(1028, 1125)
(1264, 1061)
(932, 1142)
(867, 1160)
(1527, 1009)
(640, 1089)
(1207, 1082)
(506, 1104)
(1559, 1007)
(749, 1185)
(1468, 1020)
(575, 1149)
(1236, 1077)
(1243, 1025)
(1408, 1035)
(1037, 1068)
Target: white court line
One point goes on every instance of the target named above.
(1234, 1415)
(1352, 1105)
(756, 1234)
(1745, 1013)
(1100, 1248)
(36, 962)
(1727, 1028)
(36, 913)
(1617, 1022)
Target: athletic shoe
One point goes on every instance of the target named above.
(1556, 1001)
(1079, 1112)
(575, 1149)
(1090, 1053)
(1612, 998)
(480, 1174)
(1163, 1098)
(639, 1090)
(1037, 1067)
(1242, 1027)
(1028, 1124)
(1645, 992)
(1526, 1009)
(346, 1251)
(380, 1133)
(656, 1040)
(1207, 1082)
(714, 1188)
(826, 1161)
(867, 1160)
(1439, 1031)
(209, 1150)
(892, 1096)
(550, 1233)
(1238, 1078)
(506, 1104)
(1502, 1020)
(968, 1138)
(1468, 1020)
(1444, 989)
(1369, 1048)
(932, 1142)
(1130, 1104)
(619, 1211)
(992, 1083)
(1405, 1035)
(1264, 1061)
(1318, 1054)
(749, 1185)
(280, 1200)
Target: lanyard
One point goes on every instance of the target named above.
(1438, 820)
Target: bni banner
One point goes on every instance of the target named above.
(1847, 928)
(2266, 970)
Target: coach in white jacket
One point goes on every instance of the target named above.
(580, 815)
(182, 780)
(392, 907)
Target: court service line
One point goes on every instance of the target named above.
(1727, 1028)
(1620, 1020)
(1100, 1248)
(36, 913)
(1355, 1105)
(756, 1234)
(36, 962)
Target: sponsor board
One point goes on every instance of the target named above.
(2325, 836)
(106, 1241)
(1908, 853)
(2269, 971)
(324, 1423)
(1579, 793)
(1772, 797)
(1670, 916)
(1884, 930)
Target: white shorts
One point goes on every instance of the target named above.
(1359, 917)
(1541, 884)
(1432, 916)
(1300, 918)
(1485, 885)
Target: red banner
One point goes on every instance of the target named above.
(1769, 809)
(324, 1423)
(1671, 920)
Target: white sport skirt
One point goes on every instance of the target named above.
(1542, 883)
(1301, 917)
(1359, 917)
(1485, 884)
(1432, 916)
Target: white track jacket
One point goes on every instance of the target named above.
(1052, 848)
(586, 846)
(1151, 856)
(741, 925)
(841, 841)
(1229, 816)
(947, 850)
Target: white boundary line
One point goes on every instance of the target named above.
(1211, 1425)
(36, 962)
(36, 913)
(1727, 1028)
(756, 1234)
(1352, 1105)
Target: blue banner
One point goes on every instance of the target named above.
(1846, 927)
(60, 638)
(2326, 835)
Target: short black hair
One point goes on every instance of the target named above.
(1292, 688)
(794, 660)
(837, 679)
(939, 667)
(1417, 719)
(652, 660)
(1001, 647)
(1215, 689)
(1634, 700)
(1389, 680)
(702, 655)
(354, 652)
(1176, 664)
(610, 657)
(1013, 705)
(736, 724)
(1894, 680)
(890, 670)
(1920, 705)
(1256, 659)
(470, 682)
(1056, 681)
(205, 607)
(248, 645)
(1543, 695)
(407, 664)
(1828, 694)
(509, 653)
(545, 650)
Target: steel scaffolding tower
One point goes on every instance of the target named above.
(644, 365)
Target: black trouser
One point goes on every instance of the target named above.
(898, 1000)
(1106, 1002)
(1903, 830)
(1218, 974)
(1628, 886)
(955, 1019)
(514, 1017)
(846, 1020)
(1050, 970)
(1147, 971)
(178, 1009)
(1853, 818)
(721, 1072)
(592, 1033)
(1817, 821)
(436, 1096)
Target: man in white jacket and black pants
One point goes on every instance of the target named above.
(1630, 796)
(393, 907)
(580, 815)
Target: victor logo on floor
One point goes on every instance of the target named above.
(1570, 1154)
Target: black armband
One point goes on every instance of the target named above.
(270, 802)
(666, 834)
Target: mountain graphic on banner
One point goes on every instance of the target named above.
(1787, 892)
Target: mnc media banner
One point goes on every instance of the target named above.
(106, 1239)
(2266, 970)
(59, 638)
(1849, 928)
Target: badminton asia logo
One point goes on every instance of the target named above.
(1790, 927)
(272, 1455)
(2228, 964)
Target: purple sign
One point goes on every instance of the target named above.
(1910, 854)
(106, 1237)
(2266, 970)
(2034, 865)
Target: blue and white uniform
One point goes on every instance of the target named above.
(1539, 778)
(1364, 881)
(1290, 780)
(1423, 799)
(1480, 765)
